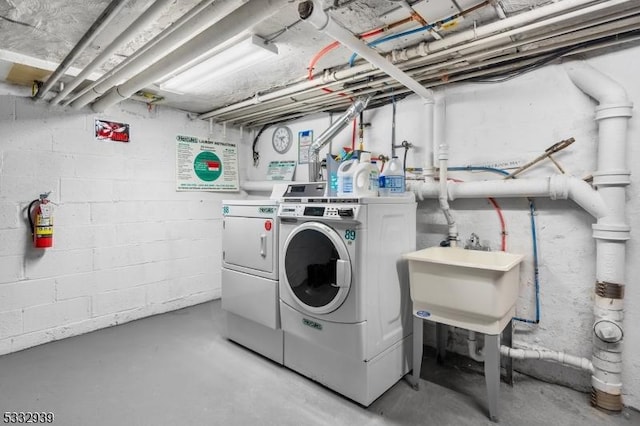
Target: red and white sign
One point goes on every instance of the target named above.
(112, 131)
(267, 225)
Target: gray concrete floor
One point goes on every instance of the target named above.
(177, 369)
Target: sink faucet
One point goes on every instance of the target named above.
(473, 243)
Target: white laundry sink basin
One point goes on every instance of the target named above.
(471, 289)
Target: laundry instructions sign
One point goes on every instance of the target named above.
(205, 165)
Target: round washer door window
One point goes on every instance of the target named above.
(317, 267)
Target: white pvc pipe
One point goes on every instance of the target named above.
(14, 90)
(96, 28)
(547, 355)
(472, 345)
(429, 123)
(201, 17)
(443, 157)
(195, 11)
(558, 187)
(141, 23)
(516, 24)
(323, 22)
(611, 232)
(232, 25)
(517, 21)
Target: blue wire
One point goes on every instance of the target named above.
(403, 34)
(381, 40)
(478, 168)
(532, 210)
(536, 274)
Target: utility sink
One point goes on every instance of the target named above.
(475, 290)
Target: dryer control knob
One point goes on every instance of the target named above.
(345, 212)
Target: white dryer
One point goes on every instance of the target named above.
(250, 276)
(344, 292)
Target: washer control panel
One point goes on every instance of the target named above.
(337, 212)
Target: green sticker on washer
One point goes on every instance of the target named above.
(312, 324)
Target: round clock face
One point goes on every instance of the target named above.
(282, 139)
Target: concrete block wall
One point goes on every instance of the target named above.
(126, 244)
(514, 121)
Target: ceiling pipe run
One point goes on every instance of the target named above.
(430, 77)
(311, 11)
(520, 21)
(98, 26)
(147, 17)
(201, 17)
(232, 25)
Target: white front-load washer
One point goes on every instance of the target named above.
(344, 292)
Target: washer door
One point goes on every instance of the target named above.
(317, 267)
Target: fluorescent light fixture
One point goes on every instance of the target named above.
(218, 64)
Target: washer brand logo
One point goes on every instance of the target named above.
(423, 314)
(266, 209)
(312, 324)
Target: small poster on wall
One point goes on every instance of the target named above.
(111, 131)
(204, 165)
(281, 170)
(305, 138)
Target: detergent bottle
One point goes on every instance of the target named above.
(345, 178)
(392, 179)
(365, 177)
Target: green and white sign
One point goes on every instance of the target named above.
(204, 165)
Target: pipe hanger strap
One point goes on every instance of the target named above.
(609, 290)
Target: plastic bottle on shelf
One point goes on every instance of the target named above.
(392, 179)
(345, 177)
(365, 177)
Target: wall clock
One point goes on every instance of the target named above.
(282, 139)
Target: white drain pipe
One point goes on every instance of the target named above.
(547, 355)
(557, 187)
(611, 232)
(443, 161)
(472, 344)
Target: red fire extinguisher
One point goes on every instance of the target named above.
(40, 214)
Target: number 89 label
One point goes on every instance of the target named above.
(350, 234)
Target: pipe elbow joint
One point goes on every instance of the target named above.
(312, 12)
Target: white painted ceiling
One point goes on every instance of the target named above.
(40, 34)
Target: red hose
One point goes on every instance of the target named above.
(353, 136)
(503, 227)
